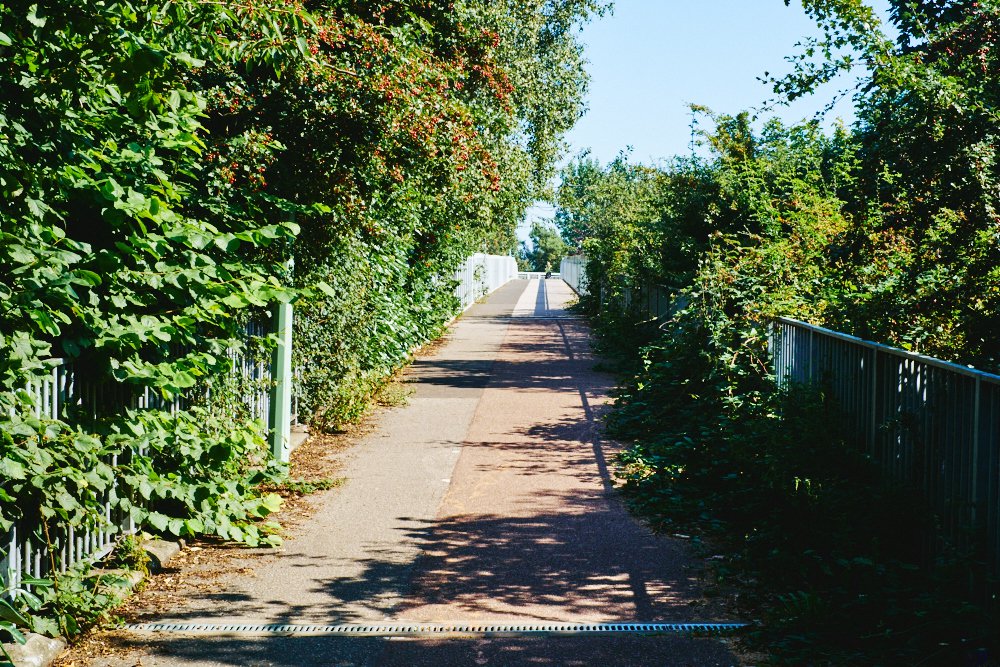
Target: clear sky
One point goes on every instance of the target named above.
(649, 59)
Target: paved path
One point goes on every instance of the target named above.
(486, 498)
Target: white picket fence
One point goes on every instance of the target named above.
(23, 549)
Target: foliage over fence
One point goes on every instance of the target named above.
(153, 157)
(887, 230)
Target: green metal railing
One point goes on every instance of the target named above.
(928, 423)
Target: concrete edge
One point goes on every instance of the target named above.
(38, 651)
(160, 552)
(299, 434)
(42, 651)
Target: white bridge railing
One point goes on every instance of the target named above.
(481, 275)
(573, 270)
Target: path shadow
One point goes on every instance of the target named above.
(626, 651)
(588, 560)
(551, 362)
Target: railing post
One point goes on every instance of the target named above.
(875, 398)
(812, 351)
(280, 419)
(974, 490)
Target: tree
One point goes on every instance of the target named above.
(547, 248)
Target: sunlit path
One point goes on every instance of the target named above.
(486, 499)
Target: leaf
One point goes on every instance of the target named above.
(227, 242)
(189, 60)
(176, 527)
(28, 580)
(5, 40)
(33, 17)
(22, 255)
(138, 514)
(44, 625)
(158, 521)
(88, 277)
(15, 633)
(325, 288)
(9, 613)
(11, 469)
(33, 601)
(271, 502)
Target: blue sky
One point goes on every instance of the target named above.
(649, 59)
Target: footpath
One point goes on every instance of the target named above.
(486, 499)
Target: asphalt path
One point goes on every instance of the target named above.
(487, 498)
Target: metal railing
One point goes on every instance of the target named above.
(573, 270)
(482, 274)
(65, 392)
(928, 423)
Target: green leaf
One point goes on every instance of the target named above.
(189, 60)
(33, 601)
(22, 255)
(15, 633)
(89, 277)
(5, 40)
(44, 625)
(158, 521)
(271, 502)
(11, 469)
(12, 615)
(33, 17)
(325, 288)
(28, 580)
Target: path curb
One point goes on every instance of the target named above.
(38, 651)
(160, 551)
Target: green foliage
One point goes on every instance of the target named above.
(129, 554)
(152, 159)
(886, 230)
(303, 487)
(403, 172)
(18, 610)
(919, 263)
(828, 556)
(547, 249)
(78, 598)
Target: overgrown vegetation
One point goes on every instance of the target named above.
(168, 170)
(887, 230)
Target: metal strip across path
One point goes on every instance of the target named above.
(485, 502)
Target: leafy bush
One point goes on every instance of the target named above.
(884, 230)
